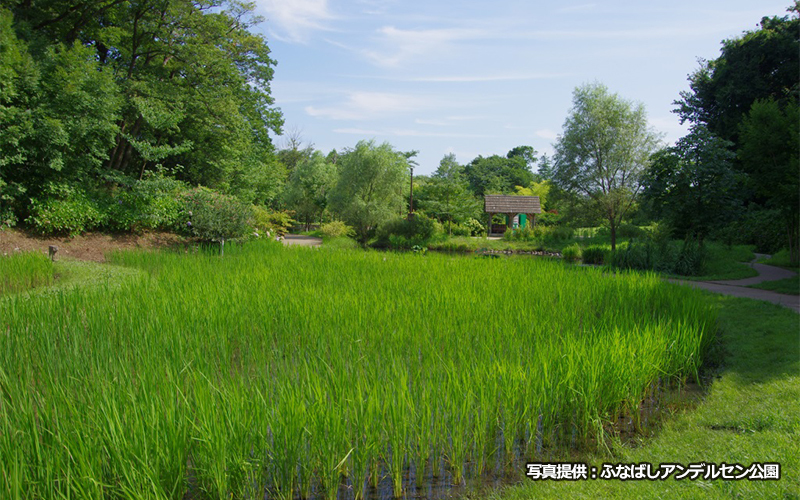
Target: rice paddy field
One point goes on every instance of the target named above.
(286, 373)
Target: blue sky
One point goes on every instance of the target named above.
(481, 77)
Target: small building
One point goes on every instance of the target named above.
(520, 208)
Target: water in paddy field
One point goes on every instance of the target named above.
(662, 401)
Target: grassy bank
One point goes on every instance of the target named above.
(749, 415)
(214, 378)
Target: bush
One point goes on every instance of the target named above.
(594, 254)
(460, 230)
(760, 227)
(419, 230)
(64, 210)
(475, 227)
(691, 260)
(272, 222)
(152, 203)
(336, 229)
(212, 216)
(571, 253)
(549, 219)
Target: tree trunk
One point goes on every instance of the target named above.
(613, 227)
(222, 247)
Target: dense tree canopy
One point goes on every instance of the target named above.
(498, 175)
(693, 185)
(116, 89)
(749, 96)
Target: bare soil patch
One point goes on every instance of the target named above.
(88, 246)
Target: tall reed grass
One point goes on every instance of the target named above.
(293, 371)
(23, 271)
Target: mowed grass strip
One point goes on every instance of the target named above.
(750, 415)
(287, 370)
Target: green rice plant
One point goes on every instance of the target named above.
(23, 271)
(291, 370)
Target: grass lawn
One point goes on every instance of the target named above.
(789, 286)
(749, 415)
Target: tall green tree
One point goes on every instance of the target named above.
(498, 174)
(309, 187)
(761, 64)
(191, 78)
(369, 190)
(749, 96)
(769, 152)
(693, 185)
(603, 151)
(446, 196)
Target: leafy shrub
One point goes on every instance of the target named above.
(216, 217)
(460, 230)
(419, 230)
(691, 260)
(475, 227)
(571, 253)
(629, 231)
(336, 229)
(272, 222)
(7, 217)
(549, 219)
(151, 203)
(557, 234)
(594, 254)
(760, 227)
(64, 210)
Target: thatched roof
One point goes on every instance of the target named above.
(501, 204)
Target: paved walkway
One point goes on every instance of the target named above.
(305, 241)
(738, 288)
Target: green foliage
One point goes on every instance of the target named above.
(446, 195)
(311, 182)
(272, 222)
(151, 203)
(369, 190)
(94, 90)
(475, 227)
(23, 271)
(212, 216)
(692, 186)
(65, 210)
(571, 253)
(406, 233)
(595, 254)
(764, 228)
(770, 154)
(497, 174)
(605, 148)
(336, 229)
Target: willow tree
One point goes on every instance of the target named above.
(603, 151)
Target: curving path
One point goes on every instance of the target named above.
(738, 288)
(300, 240)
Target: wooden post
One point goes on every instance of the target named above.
(52, 251)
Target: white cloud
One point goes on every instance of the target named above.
(402, 45)
(546, 133)
(409, 133)
(368, 105)
(295, 19)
